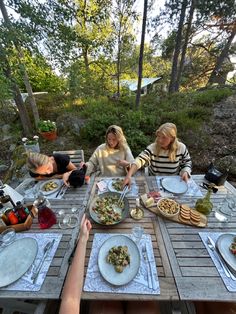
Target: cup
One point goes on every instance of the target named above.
(137, 232)
(8, 236)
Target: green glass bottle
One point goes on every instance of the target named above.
(204, 205)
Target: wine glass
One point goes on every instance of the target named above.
(228, 207)
(219, 215)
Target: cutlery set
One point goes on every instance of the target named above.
(152, 284)
(62, 190)
(212, 247)
(46, 250)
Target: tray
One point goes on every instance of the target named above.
(23, 226)
(186, 216)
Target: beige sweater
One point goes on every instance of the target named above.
(104, 160)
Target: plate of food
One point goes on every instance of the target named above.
(116, 185)
(174, 185)
(50, 186)
(226, 245)
(118, 260)
(104, 209)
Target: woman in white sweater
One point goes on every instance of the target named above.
(113, 157)
(166, 156)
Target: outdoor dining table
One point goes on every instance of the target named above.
(149, 222)
(195, 274)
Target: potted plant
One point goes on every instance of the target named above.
(47, 129)
(31, 144)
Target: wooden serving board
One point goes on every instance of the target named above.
(202, 220)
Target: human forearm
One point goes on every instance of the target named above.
(74, 281)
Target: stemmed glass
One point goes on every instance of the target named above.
(229, 206)
(137, 232)
(218, 215)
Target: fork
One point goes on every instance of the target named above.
(226, 270)
(147, 266)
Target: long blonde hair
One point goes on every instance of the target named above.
(35, 160)
(170, 130)
(118, 132)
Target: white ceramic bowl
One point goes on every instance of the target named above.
(168, 207)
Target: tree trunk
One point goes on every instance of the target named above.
(178, 41)
(23, 113)
(85, 56)
(140, 68)
(185, 45)
(22, 66)
(224, 54)
(118, 61)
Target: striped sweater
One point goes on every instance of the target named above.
(161, 165)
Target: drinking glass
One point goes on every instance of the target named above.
(228, 206)
(137, 232)
(7, 236)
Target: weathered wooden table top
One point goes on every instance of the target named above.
(195, 273)
(150, 223)
(53, 283)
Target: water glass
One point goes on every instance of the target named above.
(8, 236)
(137, 232)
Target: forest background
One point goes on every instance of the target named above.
(79, 51)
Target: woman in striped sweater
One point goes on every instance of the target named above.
(166, 156)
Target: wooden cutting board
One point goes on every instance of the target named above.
(186, 216)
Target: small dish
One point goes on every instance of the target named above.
(137, 213)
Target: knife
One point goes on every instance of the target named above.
(46, 249)
(150, 261)
(221, 260)
(59, 191)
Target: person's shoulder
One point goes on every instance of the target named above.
(61, 157)
(101, 147)
(181, 146)
(152, 147)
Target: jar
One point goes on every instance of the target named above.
(6, 200)
(20, 211)
(46, 216)
(12, 217)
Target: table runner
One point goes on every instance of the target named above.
(25, 283)
(229, 283)
(94, 282)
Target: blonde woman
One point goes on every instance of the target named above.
(112, 157)
(43, 167)
(166, 156)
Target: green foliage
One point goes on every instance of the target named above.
(47, 126)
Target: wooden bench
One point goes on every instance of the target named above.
(76, 156)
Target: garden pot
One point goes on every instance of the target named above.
(51, 136)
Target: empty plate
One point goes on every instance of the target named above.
(174, 185)
(16, 259)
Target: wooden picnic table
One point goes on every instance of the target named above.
(195, 273)
(151, 226)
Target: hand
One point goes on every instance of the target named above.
(122, 163)
(185, 176)
(85, 228)
(81, 164)
(65, 178)
(127, 181)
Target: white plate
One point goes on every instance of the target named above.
(111, 188)
(57, 181)
(223, 244)
(174, 185)
(16, 259)
(108, 271)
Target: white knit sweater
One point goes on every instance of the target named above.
(104, 160)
